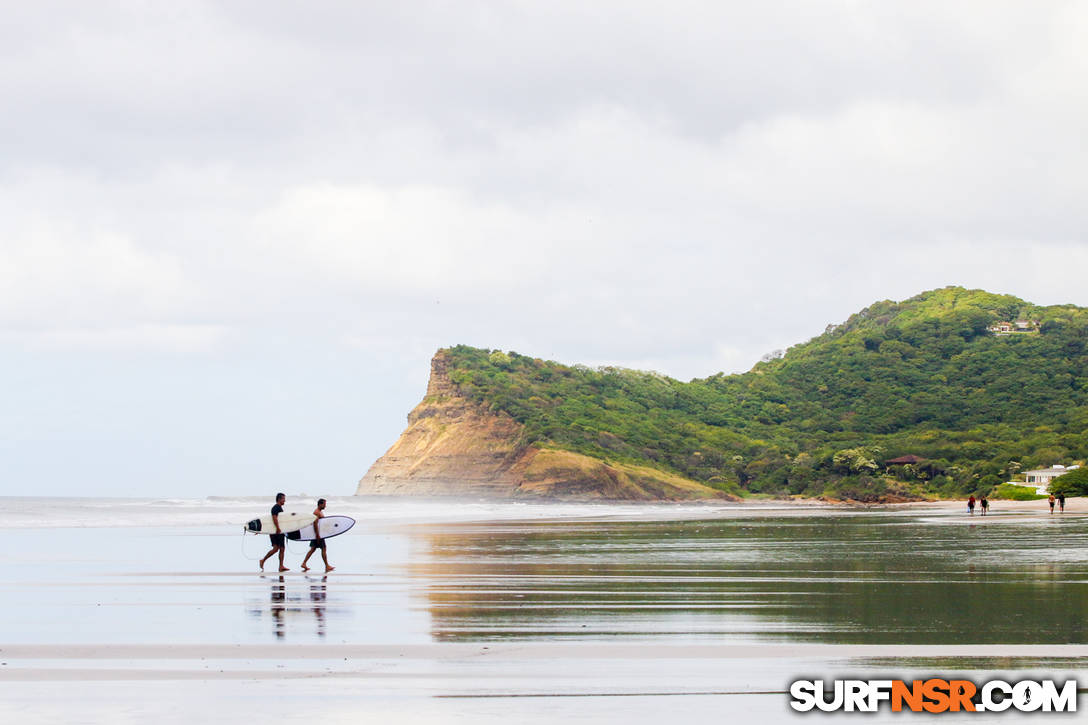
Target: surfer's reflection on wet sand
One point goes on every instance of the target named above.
(278, 607)
(317, 598)
(280, 604)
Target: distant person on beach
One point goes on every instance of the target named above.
(1051, 502)
(279, 541)
(971, 505)
(318, 543)
(1061, 502)
(984, 504)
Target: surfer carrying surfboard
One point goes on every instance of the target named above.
(279, 541)
(317, 542)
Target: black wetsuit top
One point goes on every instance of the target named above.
(277, 539)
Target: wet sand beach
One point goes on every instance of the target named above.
(488, 612)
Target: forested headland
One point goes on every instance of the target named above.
(936, 379)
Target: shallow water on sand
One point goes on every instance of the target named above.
(462, 582)
(853, 579)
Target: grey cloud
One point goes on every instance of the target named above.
(273, 188)
(131, 84)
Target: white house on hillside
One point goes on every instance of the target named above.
(1040, 478)
(1011, 328)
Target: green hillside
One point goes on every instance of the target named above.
(923, 377)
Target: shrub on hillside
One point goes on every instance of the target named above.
(1074, 483)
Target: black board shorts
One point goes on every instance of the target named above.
(278, 539)
(317, 544)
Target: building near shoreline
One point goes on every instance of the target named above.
(1040, 478)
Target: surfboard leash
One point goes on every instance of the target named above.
(244, 554)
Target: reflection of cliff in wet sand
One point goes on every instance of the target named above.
(822, 577)
(455, 447)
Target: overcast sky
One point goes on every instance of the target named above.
(232, 234)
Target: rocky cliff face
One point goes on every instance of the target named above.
(454, 447)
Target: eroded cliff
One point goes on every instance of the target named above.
(455, 447)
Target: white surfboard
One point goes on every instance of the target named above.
(328, 527)
(288, 522)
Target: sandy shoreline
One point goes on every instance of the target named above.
(605, 613)
(1000, 510)
(391, 513)
(528, 651)
(1073, 505)
(418, 674)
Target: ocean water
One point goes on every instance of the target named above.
(510, 600)
(86, 570)
(57, 512)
